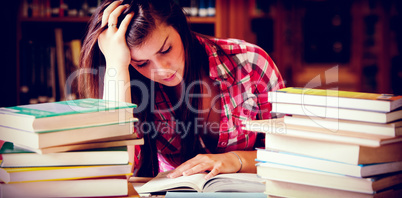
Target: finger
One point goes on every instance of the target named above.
(124, 24)
(215, 171)
(179, 170)
(107, 11)
(185, 166)
(113, 17)
(196, 169)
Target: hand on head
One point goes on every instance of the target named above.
(112, 40)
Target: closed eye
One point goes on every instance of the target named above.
(143, 64)
(166, 51)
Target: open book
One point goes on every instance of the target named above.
(235, 182)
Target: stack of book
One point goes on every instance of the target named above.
(76, 148)
(331, 144)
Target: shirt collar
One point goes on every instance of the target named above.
(217, 62)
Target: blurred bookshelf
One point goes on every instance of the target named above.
(363, 41)
(308, 38)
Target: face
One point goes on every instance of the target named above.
(161, 57)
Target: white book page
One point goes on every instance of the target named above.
(162, 183)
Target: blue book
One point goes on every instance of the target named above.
(202, 8)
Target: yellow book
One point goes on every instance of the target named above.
(39, 174)
(336, 98)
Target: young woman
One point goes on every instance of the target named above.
(193, 92)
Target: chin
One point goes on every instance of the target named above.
(172, 83)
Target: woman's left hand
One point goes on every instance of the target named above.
(215, 163)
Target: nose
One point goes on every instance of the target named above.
(163, 68)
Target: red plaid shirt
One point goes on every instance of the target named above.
(244, 82)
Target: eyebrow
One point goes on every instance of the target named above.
(159, 51)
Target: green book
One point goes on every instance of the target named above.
(67, 122)
(65, 114)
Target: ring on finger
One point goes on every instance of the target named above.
(112, 25)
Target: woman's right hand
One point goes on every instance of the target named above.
(112, 43)
(112, 40)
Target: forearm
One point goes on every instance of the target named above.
(248, 161)
(113, 45)
(117, 84)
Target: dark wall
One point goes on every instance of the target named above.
(8, 54)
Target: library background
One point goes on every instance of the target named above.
(351, 45)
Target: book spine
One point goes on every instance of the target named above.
(35, 8)
(60, 56)
(202, 8)
(52, 85)
(63, 9)
(211, 8)
(55, 8)
(194, 7)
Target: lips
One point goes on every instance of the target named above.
(171, 77)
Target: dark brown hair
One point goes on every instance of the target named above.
(146, 13)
